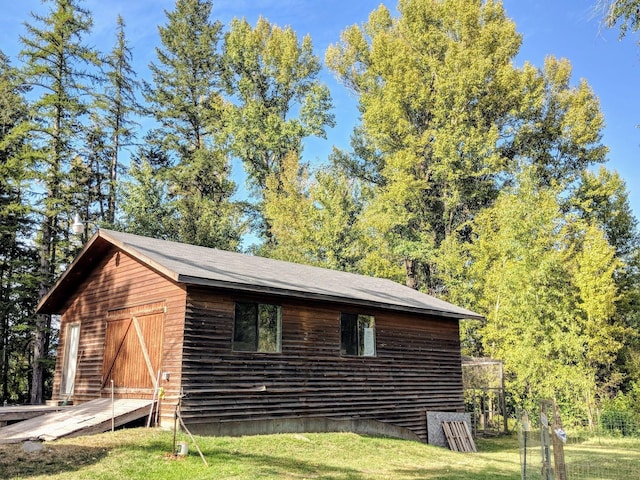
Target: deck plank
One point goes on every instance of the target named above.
(86, 418)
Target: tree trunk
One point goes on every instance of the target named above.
(4, 334)
(40, 334)
(113, 175)
(411, 273)
(37, 379)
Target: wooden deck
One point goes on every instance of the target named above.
(18, 413)
(84, 419)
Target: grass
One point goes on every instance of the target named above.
(146, 453)
(143, 454)
(603, 457)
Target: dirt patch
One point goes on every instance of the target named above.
(52, 459)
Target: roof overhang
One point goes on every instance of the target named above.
(326, 298)
(91, 254)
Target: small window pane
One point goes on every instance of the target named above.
(357, 335)
(245, 332)
(257, 328)
(348, 334)
(367, 331)
(269, 327)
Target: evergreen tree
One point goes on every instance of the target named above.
(185, 99)
(146, 208)
(57, 66)
(18, 259)
(120, 105)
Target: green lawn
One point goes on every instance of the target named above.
(145, 454)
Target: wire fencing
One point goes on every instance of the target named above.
(608, 450)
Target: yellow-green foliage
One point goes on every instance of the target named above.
(545, 281)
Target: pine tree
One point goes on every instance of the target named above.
(57, 66)
(121, 104)
(146, 208)
(17, 257)
(185, 99)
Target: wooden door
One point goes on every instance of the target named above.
(133, 351)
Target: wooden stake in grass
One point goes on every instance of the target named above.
(194, 441)
(177, 417)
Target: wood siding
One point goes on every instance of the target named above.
(417, 367)
(119, 287)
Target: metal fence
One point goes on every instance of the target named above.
(608, 450)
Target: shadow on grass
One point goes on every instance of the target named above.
(52, 460)
(452, 474)
(234, 460)
(278, 466)
(263, 465)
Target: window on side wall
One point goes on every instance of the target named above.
(257, 328)
(357, 335)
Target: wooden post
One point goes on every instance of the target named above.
(547, 473)
(558, 445)
(113, 409)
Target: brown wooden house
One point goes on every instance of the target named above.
(249, 344)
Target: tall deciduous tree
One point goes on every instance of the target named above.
(557, 127)
(434, 86)
(546, 282)
(57, 66)
(452, 120)
(313, 220)
(602, 199)
(185, 99)
(624, 13)
(272, 79)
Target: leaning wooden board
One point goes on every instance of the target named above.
(459, 436)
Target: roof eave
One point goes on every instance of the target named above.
(225, 285)
(49, 304)
(44, 301)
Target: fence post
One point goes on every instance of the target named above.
(547, 471)
(558, 445)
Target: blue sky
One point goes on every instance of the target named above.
(564, 28)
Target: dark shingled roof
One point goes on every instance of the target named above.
(194, 265)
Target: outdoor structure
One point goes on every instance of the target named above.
(484, 396)
(252, 345)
